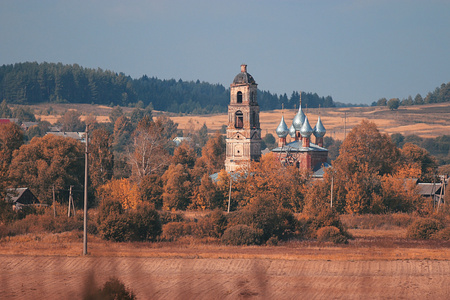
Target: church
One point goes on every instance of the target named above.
(243, 138)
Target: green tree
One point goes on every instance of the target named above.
(393, 103)
(5, 111)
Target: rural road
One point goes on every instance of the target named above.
(58, 277)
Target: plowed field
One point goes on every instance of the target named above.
(59, 277)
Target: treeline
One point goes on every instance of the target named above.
(32, 83)
(439, 95)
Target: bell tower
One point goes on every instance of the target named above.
(243, 131)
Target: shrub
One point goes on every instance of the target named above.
(325, 218)
(331, 234)
(145, 223)
(262, 216)
(212, 225)
(116, 227)
(443, 234)
(423, 229)
(241, 235)
(112, 289)
(174, 230)
(167, 217)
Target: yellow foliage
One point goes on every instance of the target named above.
(121, 190)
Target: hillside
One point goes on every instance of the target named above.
(32, 83)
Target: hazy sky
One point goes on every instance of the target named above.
(354, 51)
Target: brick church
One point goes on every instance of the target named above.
(243, 139)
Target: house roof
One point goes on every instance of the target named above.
(429, 189)
(20, 195)
(296, 146)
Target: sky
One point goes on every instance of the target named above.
(355, 51)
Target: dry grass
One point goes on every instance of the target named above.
(426, 120)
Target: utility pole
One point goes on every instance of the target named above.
(332, 181)
(54, 207)
(71, 204)
(229, 193)
(85, 193)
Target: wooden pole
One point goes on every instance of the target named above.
(229, 193)
(54, 207)
(331, 202)
(85, 194)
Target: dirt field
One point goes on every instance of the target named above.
(370, 267)
(56, 277)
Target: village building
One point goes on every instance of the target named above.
(301, 151)
(19, 197)
(243, 140)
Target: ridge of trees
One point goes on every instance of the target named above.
(439, 95)
(32, 82)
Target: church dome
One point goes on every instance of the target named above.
(244, 77)
(282, 129)
(306, 129)
(292, 130)
(319, 129)
(299, 119)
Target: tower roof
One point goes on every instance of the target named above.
(244, 77)
(319, 129)
(282, 129)
(299, 119)
(306, 129)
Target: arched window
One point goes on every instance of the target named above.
(239, 97)
(254, 119)
(239, 119)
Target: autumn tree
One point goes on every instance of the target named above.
(414, 156)
(101, 158)
(122, 191)
(70, 121)
(47, 161)
(148, 154)
(177, 188)
(11, 138)
(366, 146)
(151, 190)
(214, 152)
(122, 133)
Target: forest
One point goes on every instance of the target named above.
(32, 83)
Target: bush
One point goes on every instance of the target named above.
(212, 225)
(145, 223)
(174, 230)
(423, 229)
(167, 217)
(269, 221)
(112, 289)
(443, 234)
(116, 227)
(325, 218)
(241, 235)
(331, 234)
